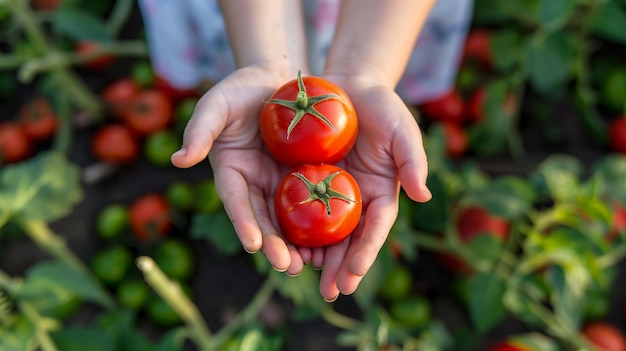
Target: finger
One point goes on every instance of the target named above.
(206, 123)
(233, 190)
(411, 161)
(296, 263)
(333, 259)
(306, 254)
(273, 245)
(317, 259)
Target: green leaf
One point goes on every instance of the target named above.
(567, 295)
(51, 282)
(18, 335)
(558, 177)
(490, 12)
(555, 13)
(608, 22)
(486, 292)
(173, 340)
(366, 294)
(611, 170)
(506, 43)
(301, 289)
(432, 216)
(485, 247)
(550, 61)
(217, 229)
(507, 197)
(536, 341)
(83, 338)
(46, 187)
(79, 25)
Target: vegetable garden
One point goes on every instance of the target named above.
(104, 245)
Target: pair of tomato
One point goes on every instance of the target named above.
(37, 122)
(309, 124)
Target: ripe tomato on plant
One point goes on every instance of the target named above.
(89, 47)
(509, 346)
(115, 143)
(317, 205)
(149, 112)
(617, 134)
(477, 47)
(14, 143)
(150, 216)
(457, 141)
(173, 93)
(309, 120)
(46, 5)
(38, 120)
(119, 95)
(449, 107)
(619, 221)
(605, 336)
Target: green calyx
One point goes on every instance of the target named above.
(322, 191)
(305, 104)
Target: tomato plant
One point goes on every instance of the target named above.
(317, 205)
(309, 120)
(149, 112)
(14, 144)
(617, 134)
(38, 120)
(116, 144)
(150, 216)
(605, 336)
(449, 107)
(89, 47)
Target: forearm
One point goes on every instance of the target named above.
(266, 33)
(379, 41)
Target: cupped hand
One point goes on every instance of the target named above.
(389, 153)
(225, 126)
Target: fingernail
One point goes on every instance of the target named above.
(292, 275)
(332, 299)
(316, 268)
(280, 270)
(181, 152)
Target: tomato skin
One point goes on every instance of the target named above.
(457, 140)
(308, 224)
(478, 46)
(604, 336)
(150, 216)
(150, 112)
(617, 134)
(619, 221)
(46, 5)
(449, 107)
(475, 108)
(509, 346)
(116, 144)
(119, 95)
(173, 93)
(14, 143)
(38, 120)
(98, 63)
(311, 140)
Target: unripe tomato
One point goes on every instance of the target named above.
(14, 144)
(150, 216)
(116, 144)
(317, 205)
(309, 120)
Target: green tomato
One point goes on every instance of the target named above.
(397, 283)
(183, 112)
(181, 195)
(159, 147)
(613, 91)
(142, 74)
(112, 221)
(413, 311)
(161, 313)
(206, 200)
(111, 265)
(133, 294)
(175, 259)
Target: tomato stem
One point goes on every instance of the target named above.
(306, 104)
(322, 190)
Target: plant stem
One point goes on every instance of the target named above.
(46, 239)
(173, 294)
(45, 342)
(613, 257)
(119, 14)
(339, 320)
(248, 314)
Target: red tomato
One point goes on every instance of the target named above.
(509, 346)
(309, 120)
(151, 111)
(119, 95)
(619, 221)
(173, 93)
(116, 144)
(478, 46)
(150, 216)
(449, 107)
(471, 222)
(317, 205)
(604, 336)
(457, 140)
(99, 62)
(617, 134)
(38, 120)
(475, 111)
(46, 5)
(14, 143)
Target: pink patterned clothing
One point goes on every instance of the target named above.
(188, 43)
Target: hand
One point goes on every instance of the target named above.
(225, 126)
(388, 153)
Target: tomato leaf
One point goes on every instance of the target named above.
(51, 282)
(507, 197)
(485, 247)
(173, 340)
(83, 338)
(555, 13)
(608, 22)
(486, 292)
(536, 341)
(366, 294)
(432, 216)
(550, 61)
(217, 229)
(557, 177)
(79, 25)
(17, 335)
(45, 187)
(506, 43)
(611, 170)
(302, 289)
(567, 293)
